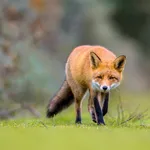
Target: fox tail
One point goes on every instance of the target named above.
(63, 99)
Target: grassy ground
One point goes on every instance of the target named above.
(33, 134)
(62, 133)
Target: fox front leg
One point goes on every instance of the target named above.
(91, 109)
(105, 104)
(98, 111)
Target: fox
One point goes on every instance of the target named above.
(90, 68)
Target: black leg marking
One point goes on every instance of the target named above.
(98, 112)
(93, 117)
(92, 114)
(105, 106)
(78, 116)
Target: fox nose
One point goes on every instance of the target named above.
(105, 88)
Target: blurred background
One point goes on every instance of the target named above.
(36, 37)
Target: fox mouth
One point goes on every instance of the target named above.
(103, 88)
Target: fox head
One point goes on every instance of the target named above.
(106, 75)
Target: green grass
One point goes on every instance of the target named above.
(32, 134)
(61, 133)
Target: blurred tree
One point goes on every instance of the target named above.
(36, 36)
(38, 5)
(133, 19)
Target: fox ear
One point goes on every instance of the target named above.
(119, 63)
(95, 60)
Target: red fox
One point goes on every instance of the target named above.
(92, 68)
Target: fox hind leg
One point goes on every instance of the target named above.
(78, 95)
(78, 111)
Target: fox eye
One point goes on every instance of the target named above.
(100, 77)
(112, 77)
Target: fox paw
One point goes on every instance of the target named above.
(49, 114)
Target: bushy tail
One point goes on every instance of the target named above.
(63, 99)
